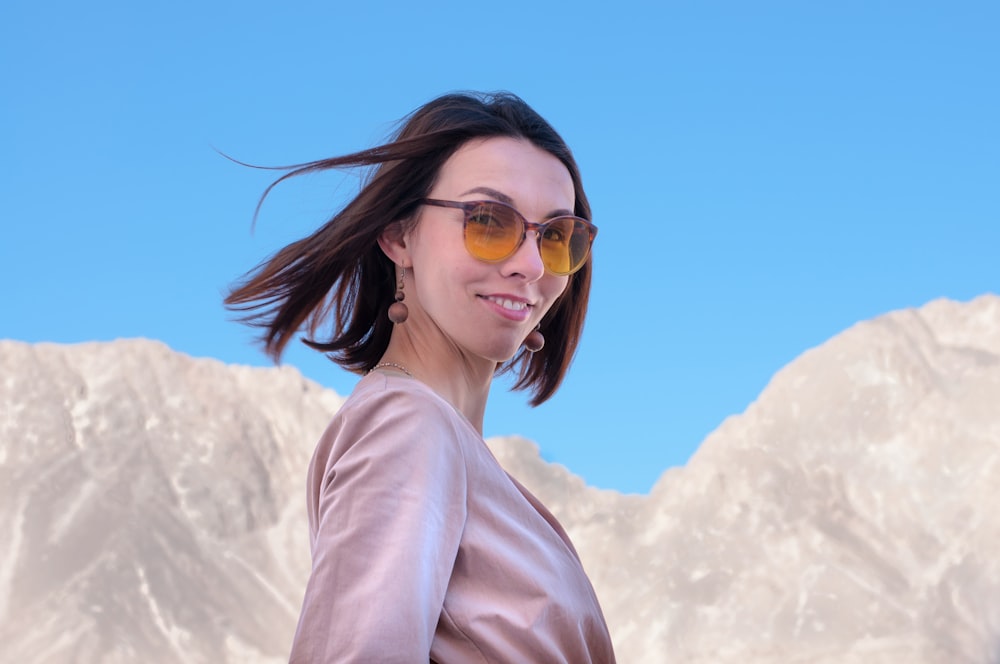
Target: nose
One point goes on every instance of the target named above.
(526, 261)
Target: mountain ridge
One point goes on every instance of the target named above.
(844, 516)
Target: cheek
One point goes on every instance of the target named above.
(446, 278)
(559, 286)
(553, 288)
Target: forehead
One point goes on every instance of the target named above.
(529, 175)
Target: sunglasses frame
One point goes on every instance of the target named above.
(467, 207)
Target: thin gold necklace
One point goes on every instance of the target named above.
(391, 365)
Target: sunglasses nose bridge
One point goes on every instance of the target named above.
(536, 260)
(530, 226)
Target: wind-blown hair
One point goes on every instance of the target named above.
(336, 284)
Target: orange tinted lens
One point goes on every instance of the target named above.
(492, 232)
(565, 245)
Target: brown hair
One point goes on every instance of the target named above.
(339, 276)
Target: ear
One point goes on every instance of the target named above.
(392, 240)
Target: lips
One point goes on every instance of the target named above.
(508, 303)
(511, 307)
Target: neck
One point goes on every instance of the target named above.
(463, 382)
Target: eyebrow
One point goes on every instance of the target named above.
(504, 198)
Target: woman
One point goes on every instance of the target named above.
(465, 254)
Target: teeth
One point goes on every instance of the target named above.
(509, 304)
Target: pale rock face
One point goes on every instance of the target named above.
(156, 507)
(156, 504)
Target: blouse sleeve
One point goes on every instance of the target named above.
(387, 506)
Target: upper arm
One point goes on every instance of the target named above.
(389, 515)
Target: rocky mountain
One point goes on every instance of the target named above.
(154, 504)
(154, 507)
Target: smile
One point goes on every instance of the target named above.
(507, 303)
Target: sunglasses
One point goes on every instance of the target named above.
(494, 231)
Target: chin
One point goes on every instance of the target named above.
(509, 356)
(500, 353)
(500, 358)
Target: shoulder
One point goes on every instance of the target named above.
(395, 420)
(381, 400)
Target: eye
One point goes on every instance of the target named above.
(556, 232)
(553, 235)
(485, 217)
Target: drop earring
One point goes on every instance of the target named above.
(534, 342)
(398, 312)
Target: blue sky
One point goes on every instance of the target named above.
(764, 175)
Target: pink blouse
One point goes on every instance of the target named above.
(425, 549)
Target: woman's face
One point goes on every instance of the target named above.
(485, 309)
